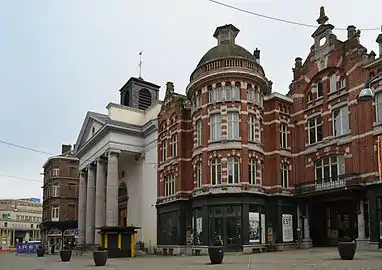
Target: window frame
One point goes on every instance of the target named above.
(252, 171)
(233, 125)
(284, 175)
(378, 107)
(174, 145)
(283, 135)
(55, 213)
(164, 149)
(198, 126)
(252, 120)
(333, 83)
(169, 185)
(233, 170)
(315, 127)
(215, 127)
(320, 165)
(216, 171)
(199, 174)
(55, 190)
(56, 172)
(341, 116)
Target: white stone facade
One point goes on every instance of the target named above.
(120, 147)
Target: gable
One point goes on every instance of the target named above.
(92, 124)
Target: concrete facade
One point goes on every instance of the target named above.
(244, 146)
(117, 153)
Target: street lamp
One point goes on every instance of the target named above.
(367, 93)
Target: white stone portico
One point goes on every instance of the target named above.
(118, 155)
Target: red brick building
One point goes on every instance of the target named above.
(241, 163)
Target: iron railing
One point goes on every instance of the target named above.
(329, 183)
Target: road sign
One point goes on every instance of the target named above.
(76, 232)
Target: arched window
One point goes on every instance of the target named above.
(310, 97)
(211, 94)
(93, 130)
(252, 171)
(249, 93)
(233, 165)
(342, 82)
(228, 90)
(219, 92)
(236, 91)
(216, 172)
(284, 175)
(329, 168)
(199, 175)
(144, 99)
(320, 91)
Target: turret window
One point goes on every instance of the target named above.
(215, 127)
(233, 125)
(216, 172)
(233, 165)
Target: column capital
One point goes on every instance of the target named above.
(140, 156)
(102, 159)
(113, 152)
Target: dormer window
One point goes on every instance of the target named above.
(320, 92)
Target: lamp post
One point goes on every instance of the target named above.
(367, 93)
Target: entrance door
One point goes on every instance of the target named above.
(233, 234)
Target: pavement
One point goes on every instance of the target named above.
(315, 258)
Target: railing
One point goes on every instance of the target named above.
(340, 181)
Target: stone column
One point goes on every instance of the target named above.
(100, 203)
(90, 209)
(362, 242)
(82, 209)
(306, 242)
(112, 189)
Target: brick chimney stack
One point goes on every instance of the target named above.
(66, 148)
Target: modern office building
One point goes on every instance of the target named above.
(247, 165)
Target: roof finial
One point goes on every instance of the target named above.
(140, 65)
(323, 18)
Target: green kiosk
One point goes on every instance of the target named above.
(118, 241)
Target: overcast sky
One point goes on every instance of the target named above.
(60, 59)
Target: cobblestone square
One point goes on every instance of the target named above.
(316, 258)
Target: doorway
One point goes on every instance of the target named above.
(225, 226)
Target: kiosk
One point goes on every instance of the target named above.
(118, 241)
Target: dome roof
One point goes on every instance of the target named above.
(225, 50)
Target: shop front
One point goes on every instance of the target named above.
(241, 222)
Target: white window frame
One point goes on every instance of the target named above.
(252, 171)
(343, 119)
(216, 171)
(56, 172)
(215, 126)
(283, 135)
(284, 175)
(315, 127)
(378, 107)
(233, 170)
(233, 124)
(199, 175)
(342, 82)
(252, 127)
(169, 185)
(56, 191)
(333, 83)
(174, 145)
(320, 165)
(198, 125)
(164, 150)
(55, 213)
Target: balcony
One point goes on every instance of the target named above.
(330, 183)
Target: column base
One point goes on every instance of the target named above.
(306, 243)
(364, 244)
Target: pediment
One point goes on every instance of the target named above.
(92, 124)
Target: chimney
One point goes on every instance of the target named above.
(379, 41)
(256, 54)
(66, 148)
(298, 62)
(351, 31)
(169, 88)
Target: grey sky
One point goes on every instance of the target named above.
(60, 59)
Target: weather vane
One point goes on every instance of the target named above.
(140, 64)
